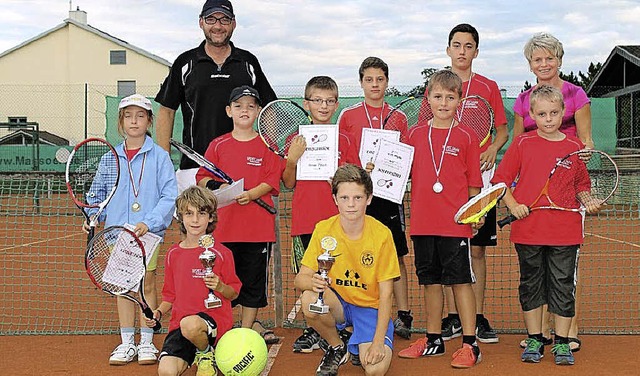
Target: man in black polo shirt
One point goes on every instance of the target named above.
(200, 82)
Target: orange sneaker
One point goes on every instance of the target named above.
(422, 347)
(466, 357)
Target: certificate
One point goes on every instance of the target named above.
(371, 141)
(391, 172)
(227, 195)
(320, 158)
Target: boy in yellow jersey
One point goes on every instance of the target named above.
(359, 287)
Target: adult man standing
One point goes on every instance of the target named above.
(200, 82)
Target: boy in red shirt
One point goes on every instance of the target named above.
(445, 173)
(312, 199)
(242, 154)
(547, 270)
(194, 329)
(374, 80)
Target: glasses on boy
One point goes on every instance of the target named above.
(320, 101)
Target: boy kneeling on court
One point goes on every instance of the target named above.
(359, 287)
(193, 328)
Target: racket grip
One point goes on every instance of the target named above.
(266, 206)
(506, 220)
(92, 231)
(149, 314)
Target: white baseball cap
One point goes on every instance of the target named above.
(135, 100)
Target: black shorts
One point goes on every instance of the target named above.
(442, 260)
(548, 276)
(391, 215)
(306, 239)
(252, 268)
(487, 235)
(176, 345)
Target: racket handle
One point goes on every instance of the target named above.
(149, 314)
(92, 231)
(266, 206)
(506, 220)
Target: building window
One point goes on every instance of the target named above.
(126, 88)
(17, 119)
(118, 57)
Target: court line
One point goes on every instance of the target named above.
(294, 311)
(38, 242)
(273, 353)
(613, 240)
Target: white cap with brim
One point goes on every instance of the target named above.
(136, 100)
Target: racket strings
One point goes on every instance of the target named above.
(278, 125)
(115, 261)
(480, 206)
(93, 171)
(476, 114)
(412, 111)
(570, 178)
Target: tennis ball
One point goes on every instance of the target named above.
(241, 351)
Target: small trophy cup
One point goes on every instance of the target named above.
(208, 259)
(325, 262)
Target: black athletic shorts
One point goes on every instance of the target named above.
(442, 260)
(548, 276)
(176, 345)
(487, 235)
(252, 268)
(392, 216)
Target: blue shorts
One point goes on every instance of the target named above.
(364, 321)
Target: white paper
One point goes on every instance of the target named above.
(149, 241)
(227, 195)
(391, 172)
(320, 158)
(371, 141)
(124, 268)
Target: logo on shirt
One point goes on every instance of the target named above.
(366, 259)
(565, 163)
(225, 76)
(452, 150)
(352, 279)
(254, 161)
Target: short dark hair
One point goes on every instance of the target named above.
(465, 28)
(373, 62)
(350, 173)
(203, 200)
(321, 83)
(447, 80)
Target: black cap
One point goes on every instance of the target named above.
(242, 91)
(212, 6)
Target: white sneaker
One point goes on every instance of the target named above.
(123, 354)
(147, 354)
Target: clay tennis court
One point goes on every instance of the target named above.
(54, 320)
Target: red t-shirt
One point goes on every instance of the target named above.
(353, 119)
(254, 162)
(532, 157)
(185, 289)
(487, 89)
(432, 213)
(312, 199)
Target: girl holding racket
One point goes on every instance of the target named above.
(145, 198)
(547, 241)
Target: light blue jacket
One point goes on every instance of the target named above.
(156, 196)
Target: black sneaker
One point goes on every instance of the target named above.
(402, 326)
(451, 328)
(344, 334)
(485, 333)
(307, 342)
(332, 360)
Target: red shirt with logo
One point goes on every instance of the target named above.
(254, 162)
(184, 287)
(432, 213)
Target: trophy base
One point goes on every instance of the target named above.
(318, 308)
(212, 303)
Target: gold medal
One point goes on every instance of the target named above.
(135, 207)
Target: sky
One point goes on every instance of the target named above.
(297, 39)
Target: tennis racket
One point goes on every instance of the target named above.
(116, 263)
(387, 182)
(479, 206)
(476, 113)
(92, 175)
(574, 183)
(278, 124)
(207, 165)
(410, 111)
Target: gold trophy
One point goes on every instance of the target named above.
(325, 262)
(208, 260)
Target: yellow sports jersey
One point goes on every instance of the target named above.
(359, 264)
